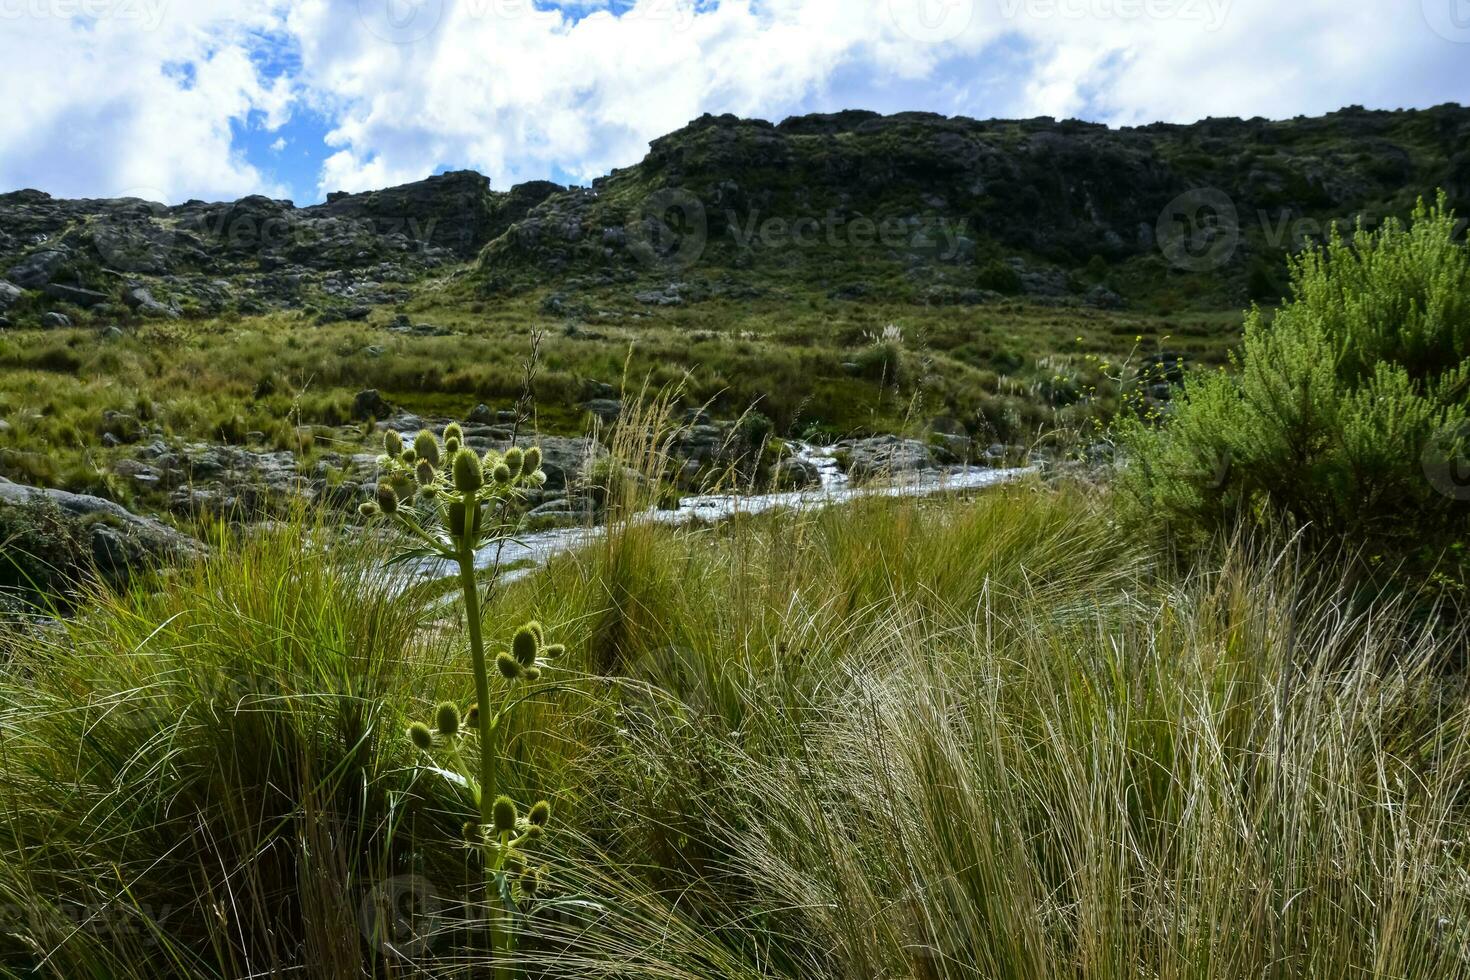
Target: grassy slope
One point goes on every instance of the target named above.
(1006, 372)
(918, 740)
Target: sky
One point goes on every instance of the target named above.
(214, 99)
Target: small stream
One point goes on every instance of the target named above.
(531, 551)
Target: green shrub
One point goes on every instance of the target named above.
(1000, 277)
(1348, 413)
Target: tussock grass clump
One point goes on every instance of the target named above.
(945, 739)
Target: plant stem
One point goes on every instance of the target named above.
(499, 938)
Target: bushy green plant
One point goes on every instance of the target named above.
(1347, 414)
(1000, 277)
(455, 502)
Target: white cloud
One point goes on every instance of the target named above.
(131, 96)
(101, 104)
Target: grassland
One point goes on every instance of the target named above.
(986, 738)
(1007, 372)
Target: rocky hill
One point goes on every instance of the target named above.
(940, 210)
(950, 208)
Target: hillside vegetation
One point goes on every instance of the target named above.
(1191, 711)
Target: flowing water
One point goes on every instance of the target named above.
(530, 551)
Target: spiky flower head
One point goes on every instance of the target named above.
(538, 479)
(515, 863)
(540, 814)
(451, 446)
(472, 716)
(538, 631)
(409, 456)
(368, 509)
(503, 474)
(504, 814)
(427, 447)
(468, 477)
(552, 651)
(532, 461)
(524, 646)
(420, 736)
(453, 431)
(387, 499)
(530, 882)
(447, 717)
(515, 459)
(509, 667)
(424, 473)
(393, 443)
(532, 674)
(474, 832)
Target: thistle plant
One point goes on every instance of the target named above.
(454, 501)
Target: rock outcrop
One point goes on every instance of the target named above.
(113, 540)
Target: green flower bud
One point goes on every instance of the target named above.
(453, 431)
(503, 474)
(553, 651)
(424, 473)
(369, 509)
(474, 832)
(540, 814)
(393, 443)
(472, 716)
(524, 646)
(515, 459)
(538, 479)
(447, 717)
(467, 475)
(538, 630)
(532, 674)
(532, 461)
(427, 447)
(451, 446)
(515, 863)
(530, 882)
(420, 736)
(387, 499)
(504, 814)
(509, 667)
(409, 457)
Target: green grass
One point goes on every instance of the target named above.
(1005, 373)
(984, 738)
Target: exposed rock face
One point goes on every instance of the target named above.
(935, 198)
(120, 541)
(253, 254)
(931, 192)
